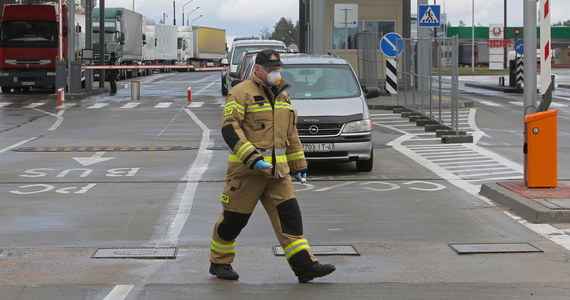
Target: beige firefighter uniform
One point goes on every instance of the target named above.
(259, 123)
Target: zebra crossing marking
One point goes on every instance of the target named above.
(4, 104)
(97, 105)
(35, 104)
(196, 104)
(131, 105)
(163, 105)
(66, 106)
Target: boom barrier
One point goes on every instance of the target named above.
(143, 67)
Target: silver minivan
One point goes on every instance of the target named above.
(333, 118)
(234, 54)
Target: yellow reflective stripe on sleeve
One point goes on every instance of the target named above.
(233, 158)
(243, 149)
(284, 105)
(233, 104)
(221, 248)
(296, 247)
(295, 156)
(278, 158)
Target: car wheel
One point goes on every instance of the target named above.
(224, 88)
(365, 165)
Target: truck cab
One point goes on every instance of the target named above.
(29, 46)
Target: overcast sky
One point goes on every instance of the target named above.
(249, 17)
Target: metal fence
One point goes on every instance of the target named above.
(428, 84)
(427, 79)
(370, 60)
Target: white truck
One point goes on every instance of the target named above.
(185, 45)
(159, 45)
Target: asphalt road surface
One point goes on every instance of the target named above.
(143, 176)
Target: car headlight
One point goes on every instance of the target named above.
(358, 126)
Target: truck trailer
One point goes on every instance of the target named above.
(159, 44)
(201, 46)
(123, 35)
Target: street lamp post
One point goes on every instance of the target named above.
(472, 35)
(188, 15)
(198, 17)
(183, 10)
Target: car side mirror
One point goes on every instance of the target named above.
(224, 62)
(235, 82)
(234, 74)
(371, 92)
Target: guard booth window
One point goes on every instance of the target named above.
(338, 34)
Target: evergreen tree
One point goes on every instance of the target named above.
(285, 31)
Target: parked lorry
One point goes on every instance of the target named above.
(29, 45)
(481, 54)
(159, 44)
(201, 46)
(123, 35)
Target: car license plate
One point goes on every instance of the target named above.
(318, 147)
(30, 83)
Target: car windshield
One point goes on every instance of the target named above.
(320, 81)
(38, 32)
(240, 50)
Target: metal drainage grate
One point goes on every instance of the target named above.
(324, 250)
(494, 248)
(142, 253)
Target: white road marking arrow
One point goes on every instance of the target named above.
(391, 44)
(95, 158)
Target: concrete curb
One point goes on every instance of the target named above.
(376, 105)
(526, 208)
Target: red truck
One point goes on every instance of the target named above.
(29, 46)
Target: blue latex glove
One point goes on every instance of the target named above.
(301, 176)
(262, 165)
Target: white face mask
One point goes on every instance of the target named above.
(273, 78)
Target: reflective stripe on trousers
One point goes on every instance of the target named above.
(221, 248)
(295, 247)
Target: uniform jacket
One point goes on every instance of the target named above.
(260, 124)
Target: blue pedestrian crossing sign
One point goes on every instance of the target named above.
(519, 47)
(392, 44)
(429, 15)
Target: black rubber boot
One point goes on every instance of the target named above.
(314, 271)
(223, 271)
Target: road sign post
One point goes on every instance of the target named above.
(345, 15)
(392, 45)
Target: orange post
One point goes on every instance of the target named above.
(541, 149)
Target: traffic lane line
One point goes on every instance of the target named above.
(184, 198)
(18, 144)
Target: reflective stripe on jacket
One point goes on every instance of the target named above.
(258, 125)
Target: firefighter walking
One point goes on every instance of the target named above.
(258, 124)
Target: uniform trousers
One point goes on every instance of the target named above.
(277, 196)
